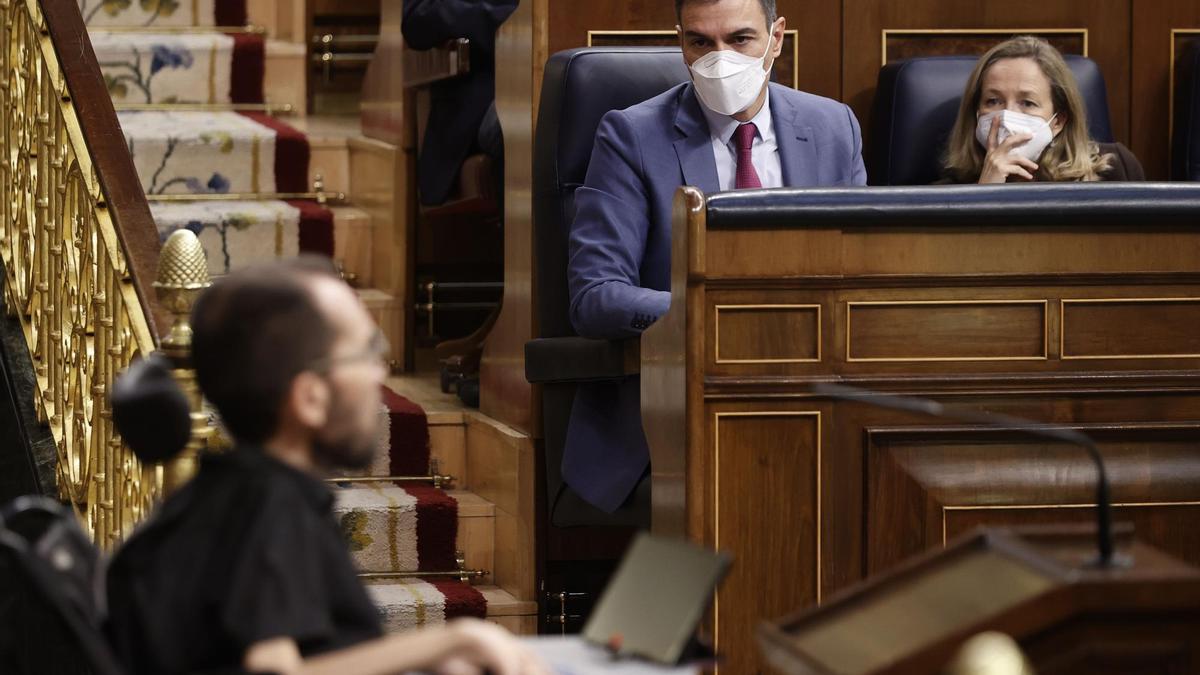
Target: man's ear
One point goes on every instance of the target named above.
(778, 31)
(308, 400)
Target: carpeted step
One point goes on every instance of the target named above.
(412, 603)
(398, 529)
(181, 67)
(161, 13)
(197, 152)
(237, 233)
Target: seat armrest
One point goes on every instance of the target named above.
(576, 359)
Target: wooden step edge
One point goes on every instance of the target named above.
(501, 603)
(471, 505)
(276, 47)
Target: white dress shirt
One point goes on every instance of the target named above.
(764, 152)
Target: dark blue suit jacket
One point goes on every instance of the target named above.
(457, 106)
(620, 247)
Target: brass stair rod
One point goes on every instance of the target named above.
(461, 575)
(437, 480)
(272, 108)
(252, 29)
(320, 197)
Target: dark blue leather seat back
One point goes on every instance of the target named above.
(1185, 138)
(579, 86)
(917, 100)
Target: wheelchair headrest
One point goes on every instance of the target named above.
(917, 100)
(150, 410)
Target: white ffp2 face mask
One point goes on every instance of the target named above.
(727, 81)
(1012, 123)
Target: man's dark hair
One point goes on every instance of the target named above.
(254, 331)
(768, 7)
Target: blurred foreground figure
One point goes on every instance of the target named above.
(990, 653)
(244, 568)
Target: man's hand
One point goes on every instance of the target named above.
(485, 647)
(998, 165)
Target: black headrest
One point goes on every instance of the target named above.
(1185, 141)
(578, 87)
(917, 100)
(150, 411)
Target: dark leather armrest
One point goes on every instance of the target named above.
(576, 359)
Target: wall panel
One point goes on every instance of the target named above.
(1106, 22)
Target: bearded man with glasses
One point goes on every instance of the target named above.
(244, 568)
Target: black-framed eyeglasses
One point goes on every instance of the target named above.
(377, 351)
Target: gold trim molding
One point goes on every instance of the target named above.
(735, 308)
(1062, 327)
(717, 417)
(850, 305)
(792, 33)
(888, 32)
(1038, 507)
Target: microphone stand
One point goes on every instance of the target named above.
(1104, 538)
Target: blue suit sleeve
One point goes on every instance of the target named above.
(858, 174)
(608, 240)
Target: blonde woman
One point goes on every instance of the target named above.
(1022, 119)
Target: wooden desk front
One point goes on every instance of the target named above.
(1097, 328)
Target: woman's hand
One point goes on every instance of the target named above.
(998, 165)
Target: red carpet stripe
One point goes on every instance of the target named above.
(316, 227)
(437, 528)
(408, 445)
(249, 59)
(291, 154)
(230, 12)
(461, 600)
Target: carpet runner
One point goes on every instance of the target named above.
(390, 527)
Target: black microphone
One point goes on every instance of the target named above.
(1104, 538)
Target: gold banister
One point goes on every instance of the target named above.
(79, 249)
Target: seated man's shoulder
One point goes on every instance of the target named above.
(811, 104)
(660, 107)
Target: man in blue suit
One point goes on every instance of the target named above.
(729, 128)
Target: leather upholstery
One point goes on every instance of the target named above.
(916, 101)
(1083, 205)
(578, 87)
(1185, 140)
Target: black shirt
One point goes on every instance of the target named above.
(248, 550)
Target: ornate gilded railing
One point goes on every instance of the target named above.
(76, 240)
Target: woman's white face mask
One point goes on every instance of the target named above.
(1013, 123)
(727, 81)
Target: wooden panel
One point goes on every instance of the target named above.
(784, 70)
(1152, 23)
(766, 333)
(765, 463)
(924, 485)
(1131, 328)
(946, 330)
(379, 172)
(1107, 23)
(906, 44)
(818, 42)
(504, 394)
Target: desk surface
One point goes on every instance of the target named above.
(570, 655)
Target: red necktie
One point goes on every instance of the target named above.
(747, 177)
